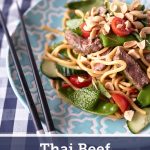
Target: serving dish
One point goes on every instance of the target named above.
(67, 119)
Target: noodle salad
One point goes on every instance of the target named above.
(103, 64)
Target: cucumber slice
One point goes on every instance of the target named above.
(49, 69)
(85, 98)
(139, 121)
(67, 71)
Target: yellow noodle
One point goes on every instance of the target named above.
(83, 67)
(113, 75)
(66, 80)
(59, 48)
(92, 56)
(111, 54)
(126, 84)
(124, 88)
(49, 29)
(116, 82)
(57, 85)
(71, 56)
(118, 115)
(114, 70)
(135, 107)
(65, 63)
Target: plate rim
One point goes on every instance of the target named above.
(12, 83)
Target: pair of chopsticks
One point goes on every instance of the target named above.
(28, 96)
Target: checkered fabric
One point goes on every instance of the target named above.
(13, 117)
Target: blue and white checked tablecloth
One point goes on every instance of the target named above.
(13, 117)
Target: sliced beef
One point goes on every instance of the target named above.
(99, 66)
(82, 45)
(147, 57)
(133, 70)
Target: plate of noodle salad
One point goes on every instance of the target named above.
(94, 62)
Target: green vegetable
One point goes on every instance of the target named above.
(139, 121)
(85, 5)
(63, 53)
(147, 42)
(145, 22)
(77, 31)
(88, 99)
(67, 71)
(141, 8)
(107, 4)
(103, 90)
(140, 39)
(74, 23)
(105, 108)
(85, 98)
(137, 36)
(112, 40)
(49, 69)
(144, 96)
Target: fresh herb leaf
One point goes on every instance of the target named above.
(85, 5)
(74, 23)
(137, 36)
(140, 39)
(77, 31)
(144, 21)
(148, 42)
(63, 53)
(141, 7)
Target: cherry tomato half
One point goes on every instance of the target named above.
(121, 100)
(85, 34)
(74, 79)
(122, 31)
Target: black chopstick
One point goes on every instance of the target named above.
(43, 100)
(24, 84)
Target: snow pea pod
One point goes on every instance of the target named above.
(105, 108)
(144, 96)
(112, 40)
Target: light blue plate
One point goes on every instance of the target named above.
(67, 119)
